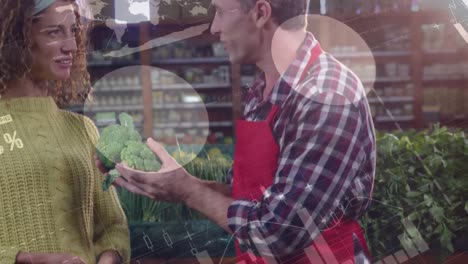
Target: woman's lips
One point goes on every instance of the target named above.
(64, 63)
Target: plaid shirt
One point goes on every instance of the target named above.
(327, 155)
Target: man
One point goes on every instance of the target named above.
(305, 154)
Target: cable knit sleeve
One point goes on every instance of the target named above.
(110, 223)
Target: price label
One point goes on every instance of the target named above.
(5, 119)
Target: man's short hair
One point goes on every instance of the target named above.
(284, 10)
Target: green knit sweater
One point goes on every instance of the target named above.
(51, 198)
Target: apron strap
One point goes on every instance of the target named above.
(274, 110)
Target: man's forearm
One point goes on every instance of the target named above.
(222, 188)
(211, 199)
(110, 256)
(23, 258)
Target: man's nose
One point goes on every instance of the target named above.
(214, 29)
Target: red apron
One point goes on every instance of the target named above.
(255, 164)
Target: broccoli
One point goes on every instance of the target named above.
(113, 139)
(127, 121)
(137, 155)
(122, 143)
(113, 174)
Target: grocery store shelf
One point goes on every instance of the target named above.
(119, 89)
(198, 86)
(442, 52)
(442, 80)
(221, 124)
(115, 108)
(395, 118)
(391, 99)
(194, 125)
(101, 124)
(165, 106)
(192, 61)
(119, 63)
(391, 54)
(193, 105)
(388, 80)
(375, 54)
(356, 18)
(219, 105)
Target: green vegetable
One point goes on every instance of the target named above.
(421, 176)
(127, 121)
(113, 174)
(137, 155)
(142, 209)
(122, 143)
(113, 140)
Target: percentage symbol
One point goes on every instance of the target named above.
(13, 141)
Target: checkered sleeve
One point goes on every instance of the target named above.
(319, 160)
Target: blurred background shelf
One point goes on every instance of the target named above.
(191, 61)
(197, 86)
(416, 53)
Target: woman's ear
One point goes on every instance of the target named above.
(262, 13)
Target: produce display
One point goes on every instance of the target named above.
(422, 177)
(414, 171)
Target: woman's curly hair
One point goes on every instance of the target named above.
(16, 56)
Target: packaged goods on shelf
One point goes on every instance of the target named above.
(464, 69)
(192, 75)
(343, 49)
(439, 71)
(364, 71)
(396, 37)
(220, 74)
(360, 7)
(396, 70)
(247, 80)
(440, 37)
(185, 50)
(449, 100)
(219, 50)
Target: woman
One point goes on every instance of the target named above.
(51, 207)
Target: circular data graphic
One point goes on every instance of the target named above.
(165, 108)
(345, 44)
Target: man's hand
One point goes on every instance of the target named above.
(110, 257)
(47, 258)
(172, 183)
